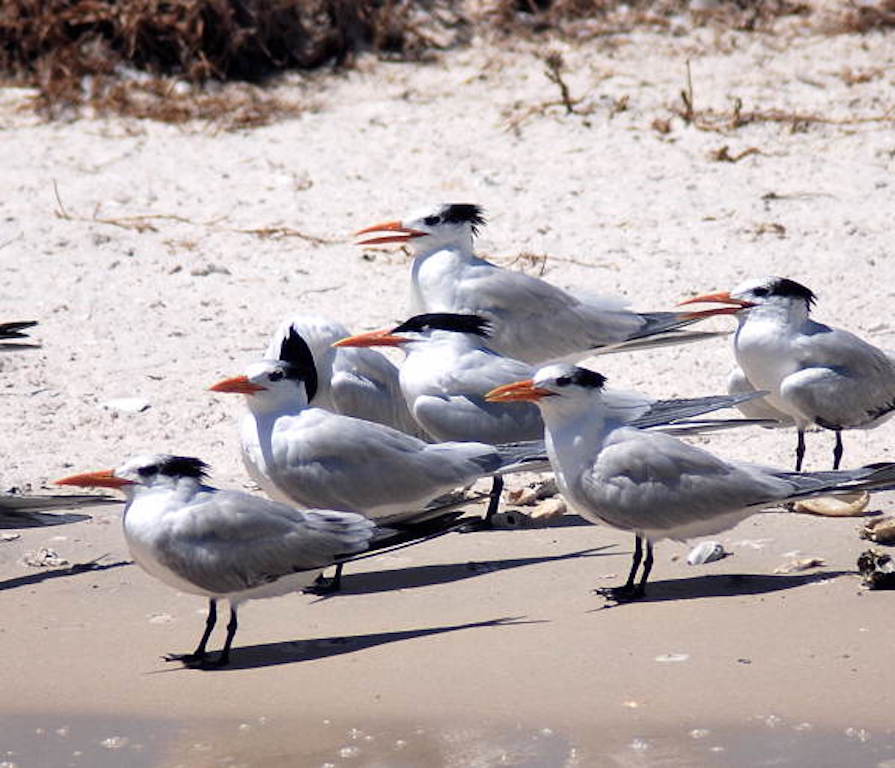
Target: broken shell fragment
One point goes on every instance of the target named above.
(840, 505)
(549, 509)
(800, 564)
(880, 530)
(706, 552)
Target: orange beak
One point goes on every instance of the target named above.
(518, 391)
(105, 478)
(403, 234)
(372, 339)
(238, 384)
(722, 297)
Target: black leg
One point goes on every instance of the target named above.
(324, 586)
(647, 567)
(635, 564)
(800, 450)
(837, 450)
(494, 502)
(199, 654)
(224, 657)
(628, 591)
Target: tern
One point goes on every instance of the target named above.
(222, 544)
(308, 456)
(533, 320)
(353, 382)
(449, 368)
(814, 374)
(650, 483)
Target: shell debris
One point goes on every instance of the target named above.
(840, 505)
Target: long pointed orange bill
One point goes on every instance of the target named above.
(722, 297)
(238, 384)
(383, 338)
(518, 391)
(105, 478)
(402, 233)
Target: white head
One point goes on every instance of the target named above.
(766, 295)
(288, 383)
(445, 225)
(557, 387)
(160, 471)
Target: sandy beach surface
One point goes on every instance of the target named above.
(158, 259)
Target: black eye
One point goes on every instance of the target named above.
(431, 221)
(760, 291)
(564, 381)
(275, 375)
(152, 469)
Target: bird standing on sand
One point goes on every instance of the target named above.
(813, 373)
(653, 484)
(532, 320)
(221, 544)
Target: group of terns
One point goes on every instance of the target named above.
(357, 453)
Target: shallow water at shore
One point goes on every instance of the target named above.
(56, 741)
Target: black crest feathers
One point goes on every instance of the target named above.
(446, 321)
(295, 351)
(458, 213)
(583, 377)
(183, 466)
(783, 286)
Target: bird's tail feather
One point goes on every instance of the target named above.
(13, 330)
(873, 477)
(666, 411)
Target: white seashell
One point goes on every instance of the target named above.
(126, 404)
(706, 552)
(840, 505)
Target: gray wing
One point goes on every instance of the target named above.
(652, 483)
(227, 541)
(535, 321)
(15, 503)
(472, 418)
(355, 465)
(451, 403)
(365, 384)
(844, 381)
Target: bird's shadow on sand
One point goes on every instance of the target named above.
(429, 575)
(291, 652)
(59, 573)
(725, 585)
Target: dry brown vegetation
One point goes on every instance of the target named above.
(86, 52)
(165, 59)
